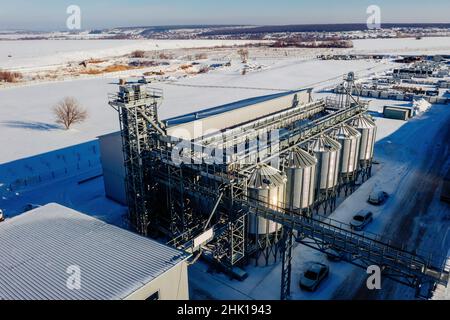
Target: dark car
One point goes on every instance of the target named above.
(361, 220)
(313, 276)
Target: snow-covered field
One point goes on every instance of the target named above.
(19, 55)
(432, 45)
(27, 128)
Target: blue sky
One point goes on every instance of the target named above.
(51, 14)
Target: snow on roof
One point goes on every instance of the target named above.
(226, 107)
(39, 246)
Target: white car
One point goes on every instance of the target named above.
(313, 276)
(361, 220)
(377, 198)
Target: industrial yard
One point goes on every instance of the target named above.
(245, 178)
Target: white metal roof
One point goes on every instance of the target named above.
(37, 247)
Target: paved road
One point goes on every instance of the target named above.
(420, 219)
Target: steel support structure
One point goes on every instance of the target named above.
(136, 108)
(286, 262)
(419, 271)
(224, 190)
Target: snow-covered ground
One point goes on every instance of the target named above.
(28, 125)
(27, 128)
(432, 45)
(18, 55)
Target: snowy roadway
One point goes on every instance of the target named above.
(417, 217)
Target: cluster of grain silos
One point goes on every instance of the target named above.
(311, 178)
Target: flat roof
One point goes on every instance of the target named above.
(38, 247)
(226, 107)
(398, 107)
(111, 134)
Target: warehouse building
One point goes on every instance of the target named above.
(56, 253)
(398, 112)
(194, 125)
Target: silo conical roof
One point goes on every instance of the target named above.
(299, 158)
(362, 122)
(325, 144)
(266, 177)
(344, 131)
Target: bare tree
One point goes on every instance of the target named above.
(7, 76)
(243, 53)
(69, 111)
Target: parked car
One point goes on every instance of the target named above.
(377, 197)
(361, 220)
(313, 276)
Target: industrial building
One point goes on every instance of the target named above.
(420, 80)
(43, 249)
(237, 183)
(422, 69)
(398, 112)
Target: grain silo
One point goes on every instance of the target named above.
(327, 151)
(368, 130)
(266, 186)
(350, 139)
(300, 169)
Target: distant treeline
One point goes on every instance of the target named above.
(313, 44)
(317, 28)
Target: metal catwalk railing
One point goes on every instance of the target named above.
(410, 268)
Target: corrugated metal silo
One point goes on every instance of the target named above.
(265, 184)
(300, 169)
(350, 139)
(327, 152)
(368, 130)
